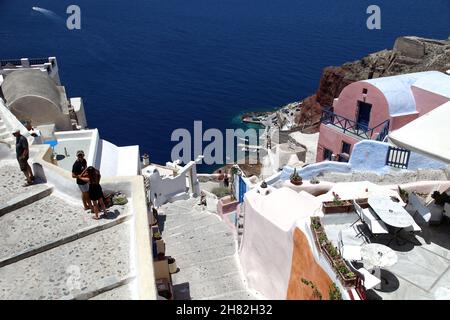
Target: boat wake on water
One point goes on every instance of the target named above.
(48, 13)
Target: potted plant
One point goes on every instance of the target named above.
(331, 252)
(157, 236)
(314, 180)
(317, 230)
(337, 205)
(403, 194)
(440, 199)
(173, 268)
(363, 202)
(296, 180)
(348, 278)
(316, 224)
(322, 239)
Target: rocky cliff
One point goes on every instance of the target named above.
(410, 54)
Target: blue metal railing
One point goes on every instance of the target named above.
(14, 62)
(398, 157)
(351, 126)
(383, 134)
(36, 61)
(18, 62)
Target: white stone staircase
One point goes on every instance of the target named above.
(43, 235)
(205, 249)
(5, 135)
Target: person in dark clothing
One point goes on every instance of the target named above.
(92, 176)
(226, 180)
(220, 178)
(77, 169)
(22, 153)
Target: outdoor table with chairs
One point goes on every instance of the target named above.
(378, 256)
(392, 214)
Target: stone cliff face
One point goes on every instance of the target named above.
(410, 54)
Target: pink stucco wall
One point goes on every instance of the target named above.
(427, 101)
(332, 139)
(347, 104)
(398, 122)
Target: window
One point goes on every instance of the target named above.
(343, 157)
(327, 154)
(346, 147)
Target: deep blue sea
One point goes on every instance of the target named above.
(147, 67)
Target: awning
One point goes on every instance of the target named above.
(428, 134)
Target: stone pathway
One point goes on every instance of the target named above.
(12, 181)
(57, 221)
(206, 253)
(69, 270)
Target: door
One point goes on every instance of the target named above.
(242, 189)
(363, 118)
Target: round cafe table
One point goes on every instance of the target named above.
(378, 256)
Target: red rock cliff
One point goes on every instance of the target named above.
(410, 54)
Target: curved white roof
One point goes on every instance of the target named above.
(398, 93)
(435, 82)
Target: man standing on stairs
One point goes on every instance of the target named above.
(22, 153)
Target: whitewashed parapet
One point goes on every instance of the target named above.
(11, 123)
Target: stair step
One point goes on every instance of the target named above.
(9, 140)
(36, 193)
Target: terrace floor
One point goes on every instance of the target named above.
(423, 268)
(66, 151)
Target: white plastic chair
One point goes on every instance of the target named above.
(359, 212)
(369, 281)
(420, 209)
(376, 226)
(447, 210)
(348, 252)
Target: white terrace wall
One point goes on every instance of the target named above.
(162, 189)
(11, 123)
(369, 155)
(132, 187)
(313, 170)
(266, 253)
(117, 161)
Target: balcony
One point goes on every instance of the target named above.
(353, 127)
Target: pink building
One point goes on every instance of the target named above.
(370, 109)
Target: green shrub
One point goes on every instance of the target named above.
(221, 192)
(334, 292)
(316, 293)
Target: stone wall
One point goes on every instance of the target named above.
(410, 47)
(304, 266)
